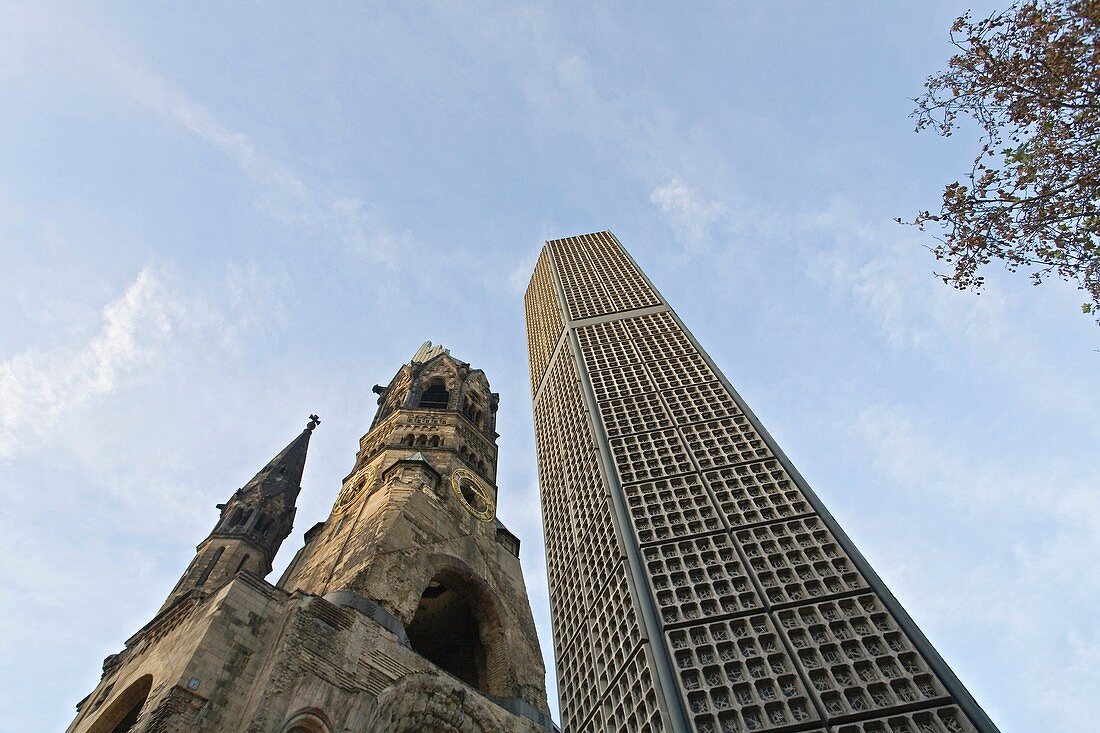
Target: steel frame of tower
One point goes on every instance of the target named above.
(675, 710)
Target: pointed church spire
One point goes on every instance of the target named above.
(284, 473)
(253, 523)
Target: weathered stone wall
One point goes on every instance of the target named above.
(398, 524)
(253, 658)
(234, 653)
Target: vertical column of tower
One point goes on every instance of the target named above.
(743, 585)
(609, 676)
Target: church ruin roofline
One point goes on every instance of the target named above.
(427, 352)
(409, 597)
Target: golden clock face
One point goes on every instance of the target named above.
(352, 490)
(473, 494)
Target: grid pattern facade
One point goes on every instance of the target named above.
(544, 324)
(734, 582)
(604, 678)
(598, 277)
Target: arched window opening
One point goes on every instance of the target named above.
(478, 420)
(472, 407)
(239, 516)
(210, 566)
(121, 715)
(434, 442)
(422, 440)
(410, 439)
(435, 397)
(450, 627)
(263, 523)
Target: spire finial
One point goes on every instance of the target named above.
(314, 421)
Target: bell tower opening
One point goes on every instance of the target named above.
(435, 397)
(447, 630)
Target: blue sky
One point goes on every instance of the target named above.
(217, 218)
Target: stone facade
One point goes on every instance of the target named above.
(405, 610)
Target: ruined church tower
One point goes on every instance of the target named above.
(404, 611)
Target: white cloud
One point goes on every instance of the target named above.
(152, 322)
(284, 194)
(256, 295)
(37, 388)
(690, 216)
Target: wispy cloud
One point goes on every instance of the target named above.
(38, 387)
(43, 38)
(255, 294)
(153, 321)
(283, 194)
(565, 91)
(884, 271)
(1032, 586)
(690, 216)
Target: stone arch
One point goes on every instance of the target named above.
(239, 517)
(457, 625)
(435, 395)
(121, 715)
(307, 720)
(424, 701)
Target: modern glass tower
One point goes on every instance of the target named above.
(696, 581)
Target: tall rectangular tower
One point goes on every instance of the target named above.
(696, 582)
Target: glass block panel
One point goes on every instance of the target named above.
(724, 442)
(752, 493)
(737, 671)
(699, 403)
(669, 508)
(798, 560)
(649, 455)
(857, 658)
(699, 578)
(634, 414)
